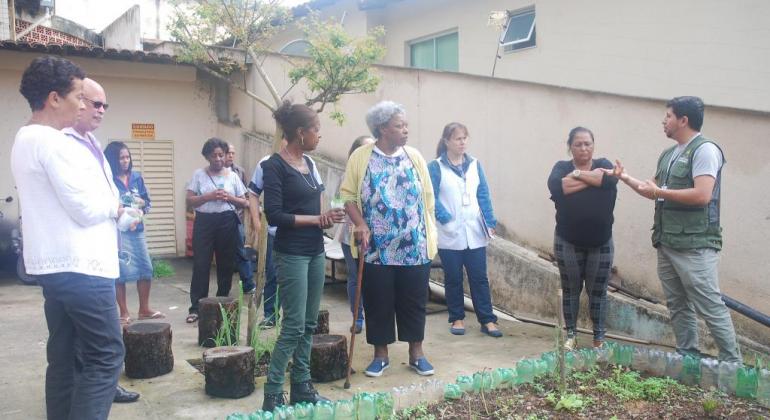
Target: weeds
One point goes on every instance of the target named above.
(229, 332)
(629, 386)
(161, 268)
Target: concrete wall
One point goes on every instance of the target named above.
(654, 49)
(124, 33)
(518, 130)
(172, 97)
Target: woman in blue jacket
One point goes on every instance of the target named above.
(465, 224)
(135, 264)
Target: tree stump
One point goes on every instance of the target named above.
(148, 349)
(323, 322)
(328, 357)
(210, 318)
(229, 371)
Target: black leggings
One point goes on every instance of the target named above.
(213, 233)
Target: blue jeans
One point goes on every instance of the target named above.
(475, 263)
(269, 294)
(85, 345)
(245, 266)
(352, 265)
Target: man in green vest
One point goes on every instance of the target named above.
(686, 231)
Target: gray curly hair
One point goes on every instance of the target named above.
(380, 114)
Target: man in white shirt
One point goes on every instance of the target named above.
(95, 101)
(69, 206)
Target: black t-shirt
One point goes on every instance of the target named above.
(288, 193)
(584, 218)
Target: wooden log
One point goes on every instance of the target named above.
(328, 357)
(148, 349)
(323, 322)
(210, 318)
(229, 371)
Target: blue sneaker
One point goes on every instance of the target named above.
(422, 367)
(376, 368)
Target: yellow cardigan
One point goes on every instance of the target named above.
(350, 189)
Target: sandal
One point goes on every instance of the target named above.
(125, 321)
(154, 315)
(191, 318)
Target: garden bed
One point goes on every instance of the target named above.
(613, 392)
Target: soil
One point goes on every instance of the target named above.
(529, 402)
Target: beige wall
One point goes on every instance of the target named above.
(654, 49)
(519, 130)
(169, 96)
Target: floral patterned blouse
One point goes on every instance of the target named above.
(393, 210)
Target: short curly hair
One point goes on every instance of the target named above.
(213, 143)
(48, 74)
(380, 114)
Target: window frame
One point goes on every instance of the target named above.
(290, 43)
(433, 37)
(513, 46)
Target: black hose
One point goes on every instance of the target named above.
(746, 310)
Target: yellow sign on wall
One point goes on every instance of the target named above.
(143, 131)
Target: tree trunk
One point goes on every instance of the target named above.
(210, 318)
(323, 322)
(229, 371)
(148, 349)
(328, 358)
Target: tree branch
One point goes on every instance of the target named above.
(269, 83)
(248, 93)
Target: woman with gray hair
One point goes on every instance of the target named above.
(389, 198)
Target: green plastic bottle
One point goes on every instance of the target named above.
(539, 367)
(690, 370)
(237, 416)
(623, 355)
(763, 387)
(324, 410)
(550, 360)
(384, 403)
(285, 412)
(589, 357)
(366, 406)
(747, 383)
(344, 410)
(465, 383)
(452, 392)
(482, 381)
(303, 411)
(569, 361)
(525, 371)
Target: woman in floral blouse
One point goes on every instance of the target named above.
(389, 198)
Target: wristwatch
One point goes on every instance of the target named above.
(576, 173)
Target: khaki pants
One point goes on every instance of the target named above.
(690, 283)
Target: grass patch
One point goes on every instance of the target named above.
(161, 268)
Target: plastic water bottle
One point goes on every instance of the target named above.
(385, 404)
(539, 367)
(344, 410)
(452, 392)
(690, 370)
(550, 360)
(324, 410)
(709, 373)
(623, 355)
(603, 356)
(399, 398)
(674, 365)
(365, 406)
(763, 387)
(747, 382)
(285, 412)
(641, 359)
(482, 381)
(524, 370)
(237, 416)
(657, 362)
(728, 377)
(569, 361)
(589, 358)
(465, 383)
(303, 411)
(435, 389)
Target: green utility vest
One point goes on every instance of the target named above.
(680, 226)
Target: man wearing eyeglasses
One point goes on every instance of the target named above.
(95, 101)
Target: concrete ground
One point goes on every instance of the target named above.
(180, 394)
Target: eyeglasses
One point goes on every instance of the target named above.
(97, 104)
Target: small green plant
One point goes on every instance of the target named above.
(418, 412)
(710, 405)
(161, 268)
(571, 402)
(629, 386)
(229, 332)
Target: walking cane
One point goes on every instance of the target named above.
(355, 313)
